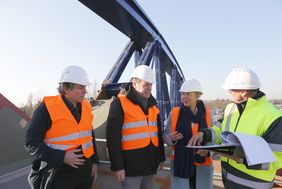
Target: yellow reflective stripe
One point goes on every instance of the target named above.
(70, 137)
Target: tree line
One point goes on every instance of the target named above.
(33, 102)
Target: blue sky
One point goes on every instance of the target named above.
(209, 38)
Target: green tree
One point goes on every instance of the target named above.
(31, 104)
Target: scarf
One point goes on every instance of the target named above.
(184, 157)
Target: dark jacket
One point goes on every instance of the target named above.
(138, 162)
(47, 161)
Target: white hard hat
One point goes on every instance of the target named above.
(191, 85)
(145, 73)
(242, 78)
(75, 74)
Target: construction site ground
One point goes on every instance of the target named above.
(106, 178)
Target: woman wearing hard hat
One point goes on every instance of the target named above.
(249, 113)
(187, 169)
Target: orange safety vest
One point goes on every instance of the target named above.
(65, 133)
(138, 129)
(174, 117)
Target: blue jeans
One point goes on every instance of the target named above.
(204, 178)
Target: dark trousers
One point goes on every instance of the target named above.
(74, 178)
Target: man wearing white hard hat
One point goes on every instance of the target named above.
(188, 170)
(134, 135)
(249, 113)
(61, 138)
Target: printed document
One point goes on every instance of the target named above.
(254, 148)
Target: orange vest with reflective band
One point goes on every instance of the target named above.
(174, 117)
(65, 133)
(138, 129)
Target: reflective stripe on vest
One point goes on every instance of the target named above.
(59, 146)
(65, 147)
(137, 132)
(230, 112)
(75, 136)
(174, 118)
(65, 133)
(70, 137)
(275, 147)
(246, 182)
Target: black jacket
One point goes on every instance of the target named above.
(47, 160)
(138, 162)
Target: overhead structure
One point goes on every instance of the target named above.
(146, 44)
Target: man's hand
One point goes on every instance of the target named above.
(120, 175)
(196, 140)
(73, 159)
(175, 136)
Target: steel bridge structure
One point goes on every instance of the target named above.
(148, 47)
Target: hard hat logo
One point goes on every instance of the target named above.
(242, 78)
(74, 74)
(191, 85)
(145, 73)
